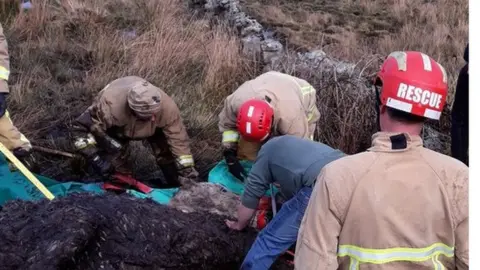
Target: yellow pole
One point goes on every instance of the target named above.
(26, 172)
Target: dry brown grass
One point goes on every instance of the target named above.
(357, 29)
(64, 52)
(365, 31)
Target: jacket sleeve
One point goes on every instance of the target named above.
(258, 180)
(4, 63)
(461, 231)
(317, 240)
(93, 121)
(227, 123)
(101, 117)
(176, 135)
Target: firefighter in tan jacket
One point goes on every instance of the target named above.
(272, 104)
(10, 136)
(131, 108)
(398, 205)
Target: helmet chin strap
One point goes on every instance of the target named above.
(377, 105)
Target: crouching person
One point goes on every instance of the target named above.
(292, 164)
(131, 108)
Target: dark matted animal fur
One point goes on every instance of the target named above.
(84, 231)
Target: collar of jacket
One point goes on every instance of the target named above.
(394, 142)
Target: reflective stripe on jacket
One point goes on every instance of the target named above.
(397, 206)
(358, 255)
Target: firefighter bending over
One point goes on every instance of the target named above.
(272, 104)
(131, 108)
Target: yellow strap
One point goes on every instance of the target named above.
(4, 73)
(26, 172)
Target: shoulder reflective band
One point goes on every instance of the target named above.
(186, 160)
(230, 136)
(4, 73)
(360, 255)
(307, 90)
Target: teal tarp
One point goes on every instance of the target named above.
(220, 175)
(14, 185)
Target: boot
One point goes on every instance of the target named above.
(170, 173)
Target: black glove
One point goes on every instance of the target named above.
(3, 103)
(26, 157)
(101, 166)
(234, 166)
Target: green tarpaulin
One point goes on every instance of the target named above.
(14, 185)
(220, 175)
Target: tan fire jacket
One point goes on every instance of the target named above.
(385, 209)
(110, 109)
(4, 63)
(293, 100)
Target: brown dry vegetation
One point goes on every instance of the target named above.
(356, 30)
(64, 52)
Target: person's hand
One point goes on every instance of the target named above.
(101, 166)
(237, 170)
(186, 182)
(189, 172)
(3, 104)
(234, 166)
(26, 157)
(234, 225)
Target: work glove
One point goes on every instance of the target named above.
(186, 182)
(26, 157)
(188, 172)
(109, 144)
(234, 166)
(187, 176)
(3, 103)
(103, 167)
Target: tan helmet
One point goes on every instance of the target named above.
(144, 99)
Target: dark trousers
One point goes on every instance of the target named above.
(459, 129)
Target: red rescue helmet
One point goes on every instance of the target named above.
(254, 120)
(413, 82)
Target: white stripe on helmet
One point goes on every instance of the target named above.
(250, 111)
(427, 64)
(399, 105)
(249, 128)
(401, 58)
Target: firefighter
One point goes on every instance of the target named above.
(292, 164)
(131, 108)
(10, 136)
(269, 105)
(398, 205)
(459, 118)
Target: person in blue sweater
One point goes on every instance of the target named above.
(292, 164)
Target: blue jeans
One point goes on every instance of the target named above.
(279, 234)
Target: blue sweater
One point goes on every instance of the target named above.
(289, 161)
